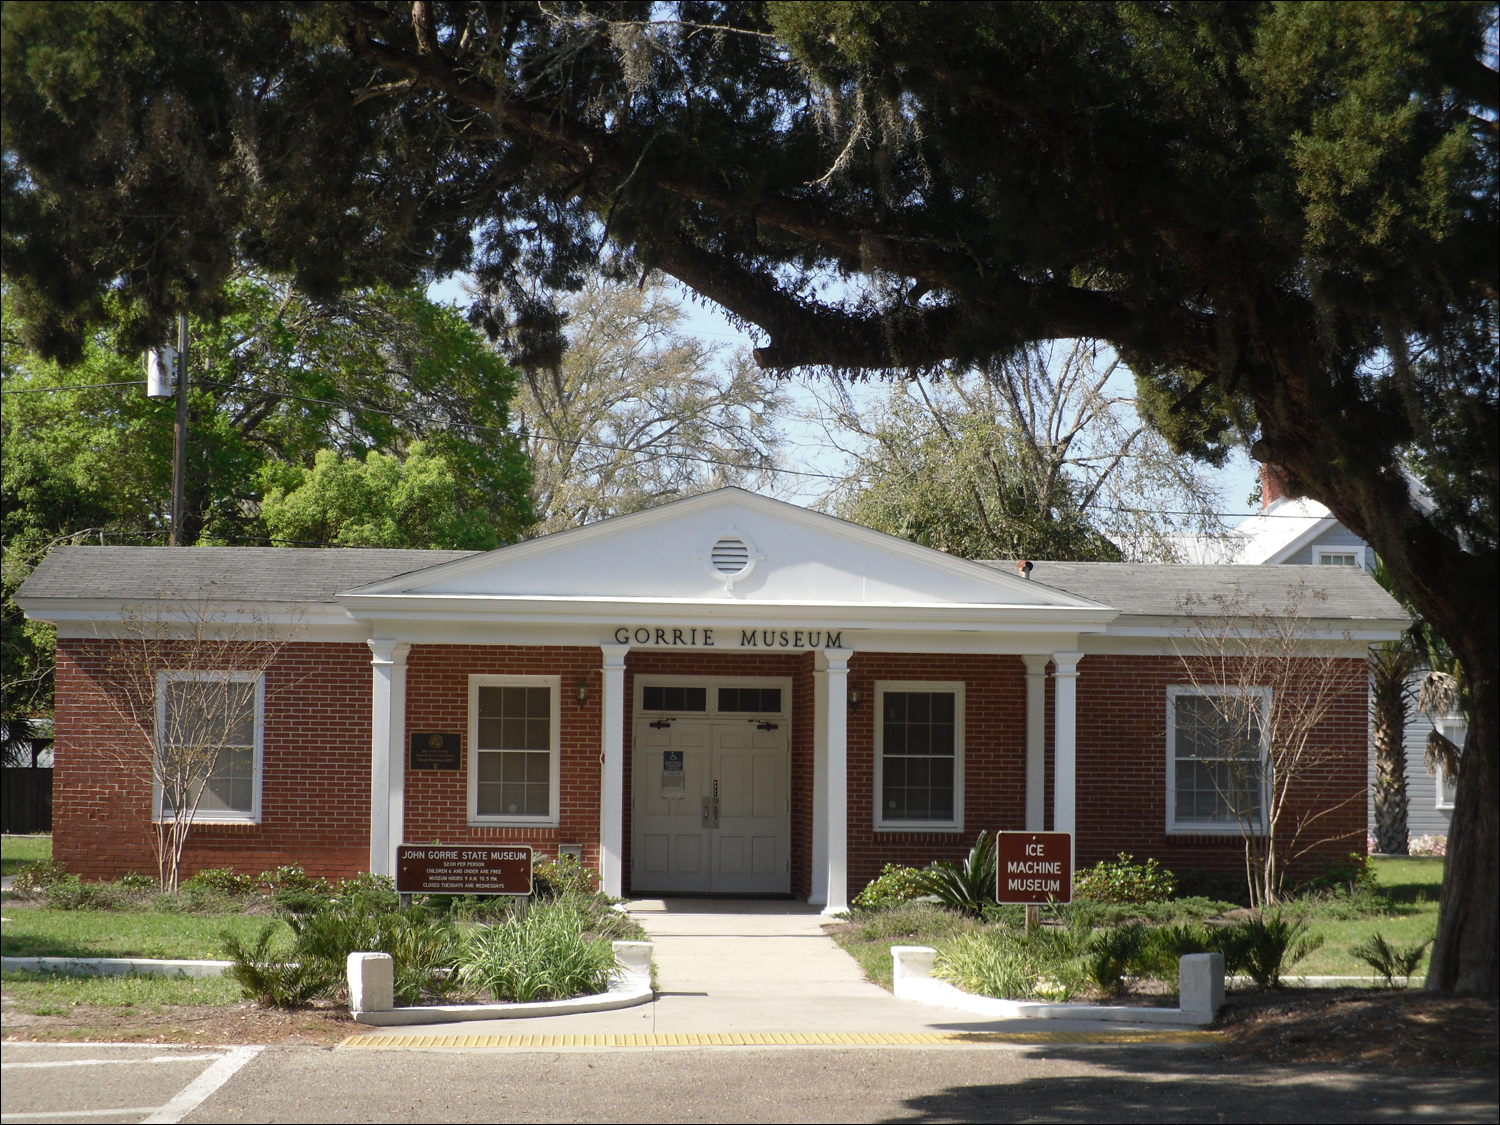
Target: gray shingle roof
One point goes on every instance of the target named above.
(1158, 589)
(284, 575)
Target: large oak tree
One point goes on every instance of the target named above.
(1283, 216)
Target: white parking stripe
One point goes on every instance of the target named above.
(70, 1113)
(201, 1087)
(109, 1062)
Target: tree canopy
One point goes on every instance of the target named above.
(1282, 216)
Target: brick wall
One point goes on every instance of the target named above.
(437, 699)
(315, 802)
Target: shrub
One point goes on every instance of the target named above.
(39, 876)
(133, 882)
(68, 892)
(967, 886)
(1264, 946)
(291, 878)
(1218, 885)
(274, 981)
(1117, 953)
(561, 878)
(893, 886)
(420, 944)
(223, 880)
(1125, 881)
(1390, 962)
(1049, 963)
(545, 954)
(1428, 845)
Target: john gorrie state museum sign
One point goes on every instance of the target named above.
(723, 695)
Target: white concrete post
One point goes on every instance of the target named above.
(387, 752)
(372, 982)
(1065, 739)
(1036, 742)
(818, 893)
(612, 760)
(1200, 985)
(836, 716)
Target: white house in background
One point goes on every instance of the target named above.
(1290, 532)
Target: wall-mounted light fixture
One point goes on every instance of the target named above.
(855, 697)
(583, 691)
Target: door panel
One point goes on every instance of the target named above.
(721, 823)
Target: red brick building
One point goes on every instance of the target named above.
(723, 695)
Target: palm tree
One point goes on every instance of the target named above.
(1392, 665)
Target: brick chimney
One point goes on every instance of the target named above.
(1272, 488)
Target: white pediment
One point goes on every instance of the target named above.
(769, 553)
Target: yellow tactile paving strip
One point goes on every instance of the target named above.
(779, 1039)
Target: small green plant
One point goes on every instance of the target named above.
(546, 954)
(39, 876)
(223, 880)
(1048, 964)
(1116, 954)
(133, 882)
(1388, 961)
(967, 886)
(420, 944)
(1125, 881)
(561, 878)
(1265, 946)
(893, 886)
(272, 980)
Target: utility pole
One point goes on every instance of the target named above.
(179, 432)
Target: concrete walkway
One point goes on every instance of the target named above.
(728, 966)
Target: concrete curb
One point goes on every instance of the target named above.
(913, 980)
(114, 966)
(631, 985)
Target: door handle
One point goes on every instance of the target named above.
(706, 822)
(716, 813)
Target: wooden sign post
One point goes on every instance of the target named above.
(1033, 868)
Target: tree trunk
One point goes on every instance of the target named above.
(1464, 953)
(1388, 730)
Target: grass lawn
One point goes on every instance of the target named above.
(45, 994)
(108, 933)
(1412, 886)
(18, 851)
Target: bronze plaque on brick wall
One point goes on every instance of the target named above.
(1034, 867)
(436, 751)
(463, 870)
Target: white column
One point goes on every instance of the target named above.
(387, 751)
(836, 716)
(612, 760)
(818, 893)
(1036, 742)
(1065, 739)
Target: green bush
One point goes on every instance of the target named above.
(893, 886)
(1388, 961)
(223, 880)
(967, 886)
(1125, 881)
(561, 878)
(420, 944)
(545, 954)
(1263, 947)
(274, 981)
(68, 892)
(1116, 954)
(39, 876)
(1218, 885)
(1048, 964)
(133, 882)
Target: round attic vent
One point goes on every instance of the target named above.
(729, 555)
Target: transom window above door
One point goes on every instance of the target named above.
(664, 697)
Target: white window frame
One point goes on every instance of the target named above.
(1200, 827)
(1319, 553)
(213, 816)
(1443, 786)
(712, 684)
(957, 823)
(553, 819)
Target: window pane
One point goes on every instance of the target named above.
(1219, 759)
(918, 745)
(207, 742)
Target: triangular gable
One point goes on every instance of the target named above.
(665, 553)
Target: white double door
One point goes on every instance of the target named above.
(711, 807)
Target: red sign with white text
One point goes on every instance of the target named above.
(1034, 868)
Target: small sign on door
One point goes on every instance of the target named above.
(673, 777)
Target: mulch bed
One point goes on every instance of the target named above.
(1407, 1029)
(242, 1023)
